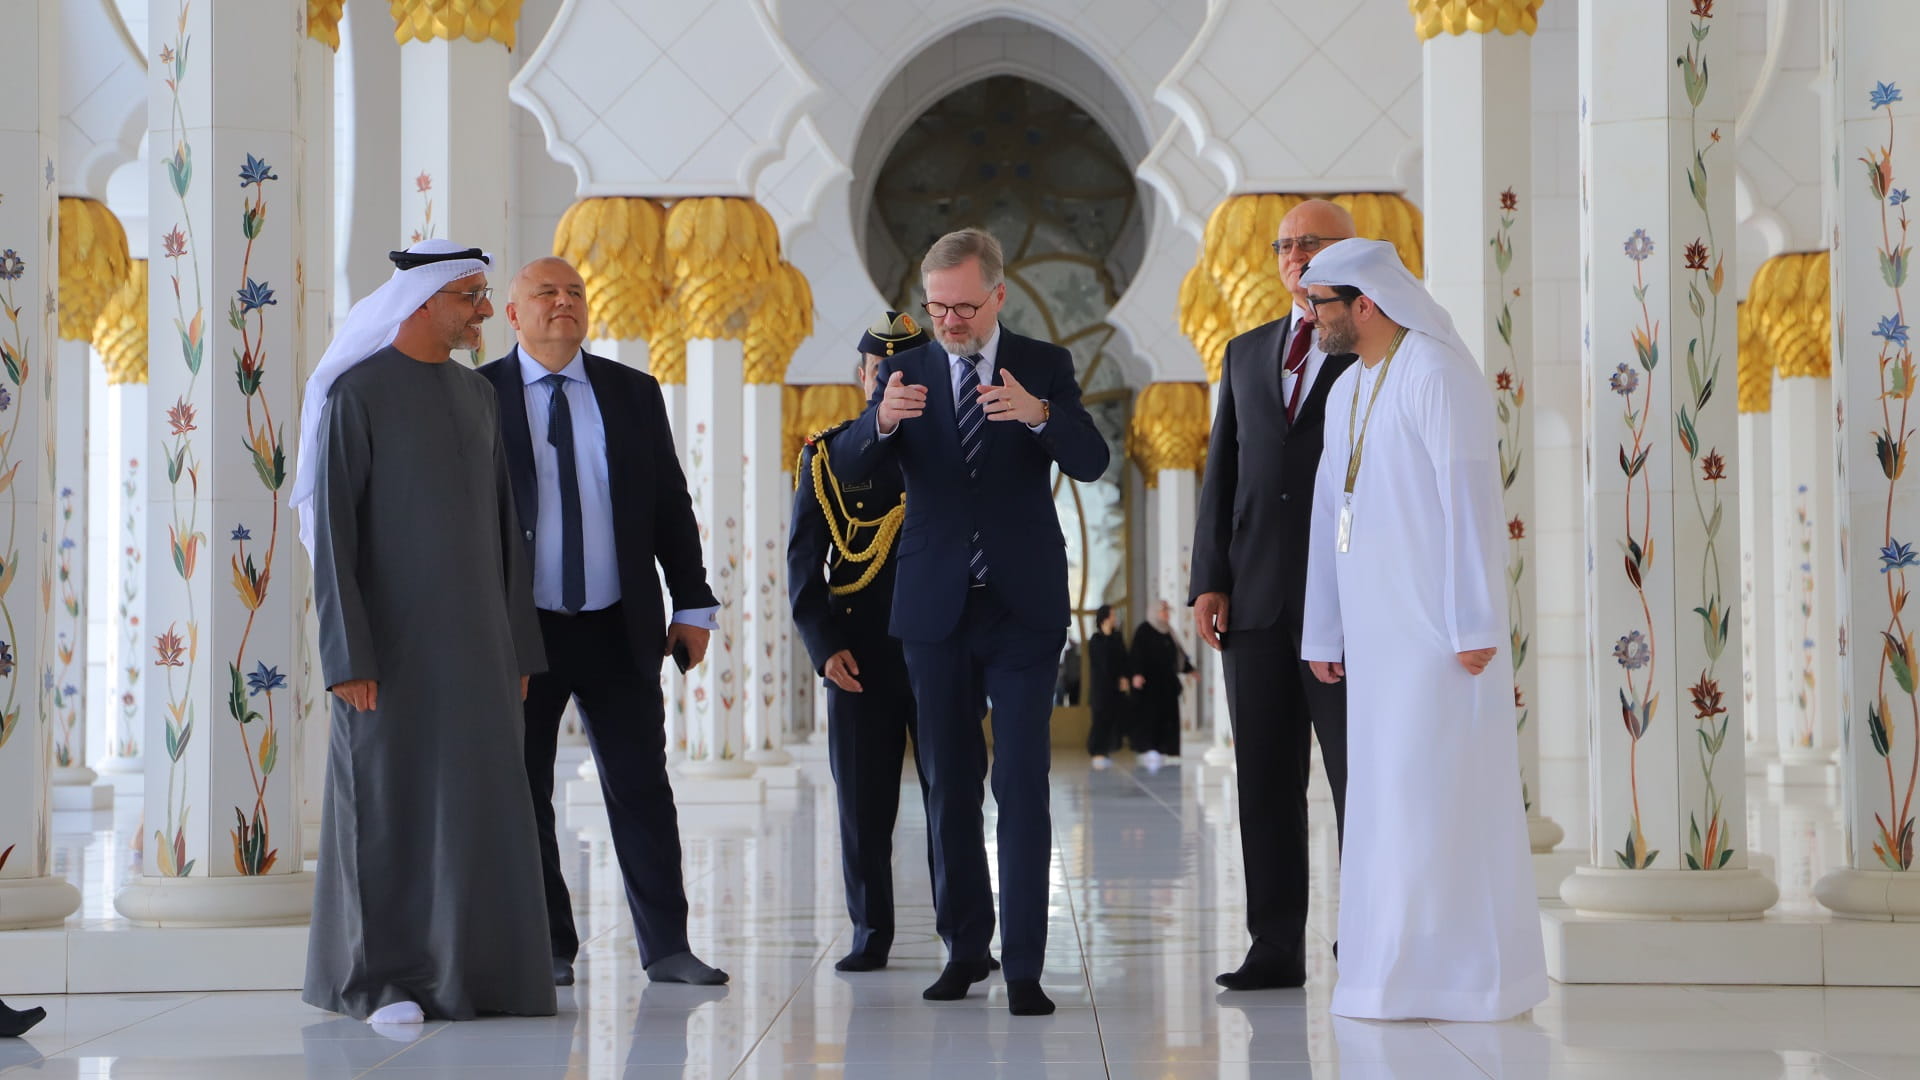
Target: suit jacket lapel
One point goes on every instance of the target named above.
(519, 442)
(1330, 371)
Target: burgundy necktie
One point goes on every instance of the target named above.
(1297, 365)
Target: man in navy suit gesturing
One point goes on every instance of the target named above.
(976, 419)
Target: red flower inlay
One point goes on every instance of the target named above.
(1697, 256)
(1713, 466)
(175, 242)
(423, 183)
(1516, 529)
(1509, 201)
(181, 417)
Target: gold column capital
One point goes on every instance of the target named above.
(1754, 362)
(1792, 315)
(783, 320)
(93, 263)
(120, 333)
(1169, 428)
(323, 21)
(1431, 18)
(815, 408)
(474, 20)
(616, 245)
(724, 253)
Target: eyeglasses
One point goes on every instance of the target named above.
(476, 297)
(939, 311)
(1316, 301)
(1307, 244)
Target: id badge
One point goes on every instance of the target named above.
(1344, 537)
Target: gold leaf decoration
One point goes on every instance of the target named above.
(474, 20)
(1431, 18)
(1791, 314)
(323, 21)
(1235, 282)
(816, 408)
(667, 348)
(723, 252)
(783, 320)
(616, 245)
(1755, 364)
(120, 333)
(93, 264)
(1169, 429)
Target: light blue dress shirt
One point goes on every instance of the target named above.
(596, 497)
(983, 375)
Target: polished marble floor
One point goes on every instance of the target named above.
(1145, 911)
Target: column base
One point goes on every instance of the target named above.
(589, 769)
(1803, 772)
(811, 748)
(716, 769)
(84, 798)
(268, 900)
(770, 756)
(124, 766)
(28, 903)
(1872, 895)
(709, 790)
(1543, 833)
(780, 777)
(1219, 756)
(1773, 952)
(71, 776)
(1551, 869)
(1758, 760)
(1676, 895)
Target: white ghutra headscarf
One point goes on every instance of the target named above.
(420, 271)
(1374, 267)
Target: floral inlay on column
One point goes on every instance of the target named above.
(423, 184)
(59, 681)
(171, 650)
(1510, 396)
(1709, 834)
(130, 579)
(14, 345)
(253, 852)
(1803, 735)
(1894, 843)
(1638, 650)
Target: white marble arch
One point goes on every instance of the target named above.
(825, 209)
(103, 96)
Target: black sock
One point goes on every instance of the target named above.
(861, 961)
(954, 981)
(16, 1022)
(1025, 998)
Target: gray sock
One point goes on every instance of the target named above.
(685, 968)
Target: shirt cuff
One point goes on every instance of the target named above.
(706, 618)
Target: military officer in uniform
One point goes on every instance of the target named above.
(840, 581)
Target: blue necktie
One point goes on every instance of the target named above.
(573, 555)
(972, 422)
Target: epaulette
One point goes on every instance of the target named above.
(824, 432)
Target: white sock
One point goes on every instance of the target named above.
(400, 1012)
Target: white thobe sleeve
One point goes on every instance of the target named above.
(1452, 414)
(1322, 634)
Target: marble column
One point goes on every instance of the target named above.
(312, 711)
(1758, 604)
(1167, 439)
(1479, 265)
(456, 133)
(1213, 672)
(93, 265)
(1789, 304)
(31, 893)
(1662, 478)
(1875, 127)
(120, 337)
(716, 709)
(222, 821)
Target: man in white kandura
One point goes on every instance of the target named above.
(1406, 598)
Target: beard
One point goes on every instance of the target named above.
(1336, 340)
(973, 342)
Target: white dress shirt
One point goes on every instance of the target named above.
(596, 498)
(983, 374)
(1316, 356)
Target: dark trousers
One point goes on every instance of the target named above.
(1109, 722)
(867, 736)
(588, 658)
(1272, 698)
(1013, 665)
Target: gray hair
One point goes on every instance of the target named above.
(957, 247)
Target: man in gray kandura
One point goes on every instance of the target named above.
(428, 903)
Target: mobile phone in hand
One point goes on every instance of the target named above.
(681, 657)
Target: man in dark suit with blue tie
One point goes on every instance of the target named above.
(602, 499)
(976, 420)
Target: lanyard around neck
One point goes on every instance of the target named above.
(1357, 439)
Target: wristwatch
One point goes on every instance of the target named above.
(1046, 412)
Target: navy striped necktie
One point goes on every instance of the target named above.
(972, 423)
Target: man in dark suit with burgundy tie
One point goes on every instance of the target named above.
(602, 499)
(976, 420)
(1248, 591)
